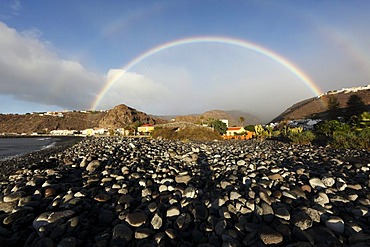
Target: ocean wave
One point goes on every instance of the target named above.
(48, 146)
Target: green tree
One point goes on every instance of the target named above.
(219, 126)
(327, 128)
(355, 105)
(333, 103)
(249, 128)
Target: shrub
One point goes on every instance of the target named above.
(249, 128)
(186, 133)
(351, 139)
(303, 137)
(327, 128)
(218, 126)
(364, 138)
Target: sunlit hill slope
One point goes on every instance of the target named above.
(317, 107)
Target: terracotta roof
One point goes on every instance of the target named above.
(234, 128)
(147, 125)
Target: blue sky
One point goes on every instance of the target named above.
(59, 54)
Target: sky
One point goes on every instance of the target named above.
(171, 57)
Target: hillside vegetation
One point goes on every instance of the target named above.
(185, 132)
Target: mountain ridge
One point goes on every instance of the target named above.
(122, 116)
(317, 107)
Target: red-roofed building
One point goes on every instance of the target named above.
(234, 130)
(146, 128)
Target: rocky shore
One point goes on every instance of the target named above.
(141, 192)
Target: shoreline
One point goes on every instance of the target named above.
(9, 165)
(113, 191)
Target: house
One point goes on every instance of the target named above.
(231, 131)
(145, 129)
(93, 132)
(87, 132)
(63, 132)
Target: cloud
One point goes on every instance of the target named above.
(31, 71)
(134, 90)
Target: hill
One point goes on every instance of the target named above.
(118, 117)
(317, 107)
(232, 116)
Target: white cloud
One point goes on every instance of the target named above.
(31, 71)
(134, 90)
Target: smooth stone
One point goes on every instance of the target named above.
(275, 176)
(314, 214)
(15, 196)
(270, 236)
(266, 209)
(102, 197)
(306, 188)
(152, 207)
(352, 228)
(173, 211)
(79, 194)
(183, 179)
(321, 199)
(340, 184)
(171, 233)
(190, 192)
(136, 219)
(360, 211)
(7, 207)
(159, 236)
(234, 195)
(44, 219)
(335, 224)
(225, 184)
(289, 195)
(125, 199)
(282, 213)
(156, 222)
(142, 233)
(317, 184)
(93, 165)
(201, 212)
(301, 220)
(183, 221)
(121, 231)
(328, 181)
(163, 188)
(354, 186)
(265, 197)
(240, 163)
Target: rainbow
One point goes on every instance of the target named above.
(211, 39)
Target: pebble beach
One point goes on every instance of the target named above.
(115, 191)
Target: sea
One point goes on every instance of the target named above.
(12, 147)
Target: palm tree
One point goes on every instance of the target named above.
(241, 120)
(201, 119)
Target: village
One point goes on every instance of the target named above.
(145, 130)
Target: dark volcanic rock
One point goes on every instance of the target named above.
(142, 192)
